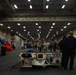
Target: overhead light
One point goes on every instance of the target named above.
(47, 0)
(37, 29)
(19, 34)
(57, 32)
(47, 35)
(53, 23)
(52, 27)
(49, 32)
(29, 0)
(24, 30)
(61, 29)
(38, 35)
(36, 23)
(1, 24)
(39, 32)
(11, 30)
(30, 6)
(16, 32)
(65, 26)
(63, 6)
(39, 26)
(66, 0)
(15, 6)
(24, 27)
(28, 33)
(68, 23)
(47, 6)
(9, 27)
(31, 37)
(18, 24)
(54, 35)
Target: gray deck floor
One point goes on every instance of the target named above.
(10, 65)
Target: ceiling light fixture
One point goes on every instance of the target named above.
(24, 27)
(49, 32)
(15, 6)
(53, 23)
(12, 30)
(47, 0)
(30, 6)
(63, 6)
(40, 32)
(68, 23)
(61, 29)
(29, 0)
(19, 34)
(18, 24)
(28, 33)
(9, 27)
(47, 6)
(54, 35)
(37, 29)
(39, 26)
(38, 35)
(65, 26)
(31, 37)
(66, 0)
(52, 27)
(57, 32)
(47, 35)
(1, 24)
(24, 30)
(16, 32)
(36, 23)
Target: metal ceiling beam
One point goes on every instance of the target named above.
(48, 14)
(9, 4)
(38, 19)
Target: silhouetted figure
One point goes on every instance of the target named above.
(3, 49)
(62, 49)
(54, 46)
(50, 47)
(40, 46)
(70, 46)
